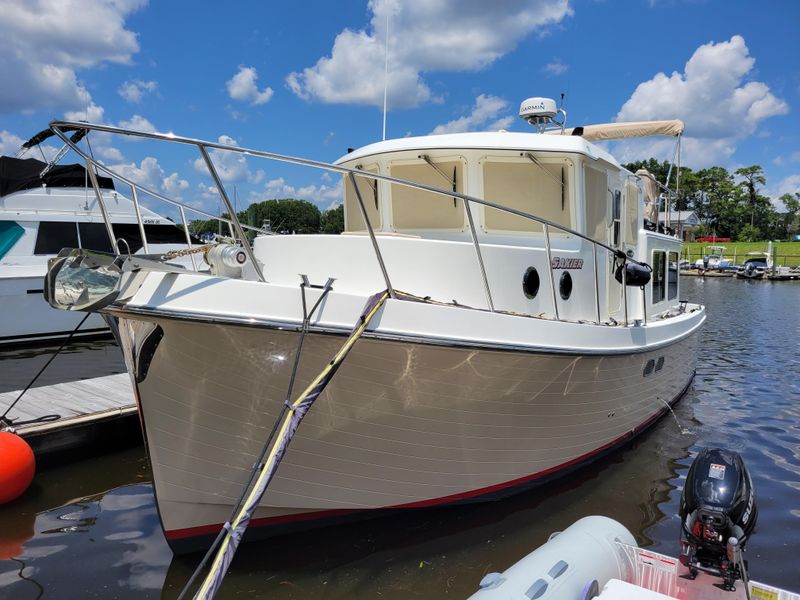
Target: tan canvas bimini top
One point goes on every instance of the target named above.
(619, 131)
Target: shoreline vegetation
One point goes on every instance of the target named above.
(786, 254)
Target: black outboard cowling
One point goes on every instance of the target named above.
(718, 513)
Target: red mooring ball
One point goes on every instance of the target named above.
(17, 466)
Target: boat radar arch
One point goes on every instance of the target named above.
(541, 113)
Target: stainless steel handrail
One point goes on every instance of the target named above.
(236, 226)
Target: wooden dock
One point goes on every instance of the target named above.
(93, 413)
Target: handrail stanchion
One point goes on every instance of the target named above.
(550, 268)
(478, 254)
(625, 289)
(188, 237)
(596, 284)
(372, 235)
(234, 219)
(99, 195)
(135, 197)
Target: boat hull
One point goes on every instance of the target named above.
(402, 425)
(28, 318)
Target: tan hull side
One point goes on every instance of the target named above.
(400, 423)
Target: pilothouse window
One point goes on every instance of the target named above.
(529, 185)
(368, 189)
(414, 209)
(659, 274)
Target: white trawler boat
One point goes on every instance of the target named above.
(507, 351)
(45, 207)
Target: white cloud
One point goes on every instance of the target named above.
(148, 173)
(556, 67)
(10, 143)
(788, 185)
(91, 113)
(487, 108)
(139, 123)
(135, 90)
(231, 167)
(712, 97)
(447, 35)
(243, 86)
(44, 44)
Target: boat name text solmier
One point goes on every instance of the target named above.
(559, 262)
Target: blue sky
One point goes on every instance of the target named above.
(307, 78)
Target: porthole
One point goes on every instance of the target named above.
(565, 285)
(648, 367)
(530, 283)
(659, 363)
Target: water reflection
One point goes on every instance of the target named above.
(745, 397)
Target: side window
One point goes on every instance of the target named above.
(616, 218)
(53, 236)
(94, 236)
(672, 276)
(659, 273)
(368, 188)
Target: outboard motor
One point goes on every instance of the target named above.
(718, 513)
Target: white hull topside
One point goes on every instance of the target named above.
(434, 404)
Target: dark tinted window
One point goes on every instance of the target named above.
(94, 236)
(52, 237)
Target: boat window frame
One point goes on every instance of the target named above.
(46, 247)
(371, 196)
(673, 256)
(655, 283)
(567, 162)
(437, 181)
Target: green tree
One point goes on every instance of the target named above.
(287, 215)
(790, 217)
(716, 200)
(753, 177)
(333, 220)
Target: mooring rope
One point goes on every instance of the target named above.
(5, 421)
(286, 425)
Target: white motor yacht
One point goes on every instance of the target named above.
(44, 208)
(520, 322)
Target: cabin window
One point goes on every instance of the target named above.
(616, 218)
(94, 236)
(368, 188)
(631, 213)
(672, 276)
(10, 232)
(538, 188)
(52, 237)
(415, 209)
(659, 274)
(595, 203)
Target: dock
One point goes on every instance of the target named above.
(707, 273)
(97, 413)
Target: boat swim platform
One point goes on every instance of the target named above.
(96, 414)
